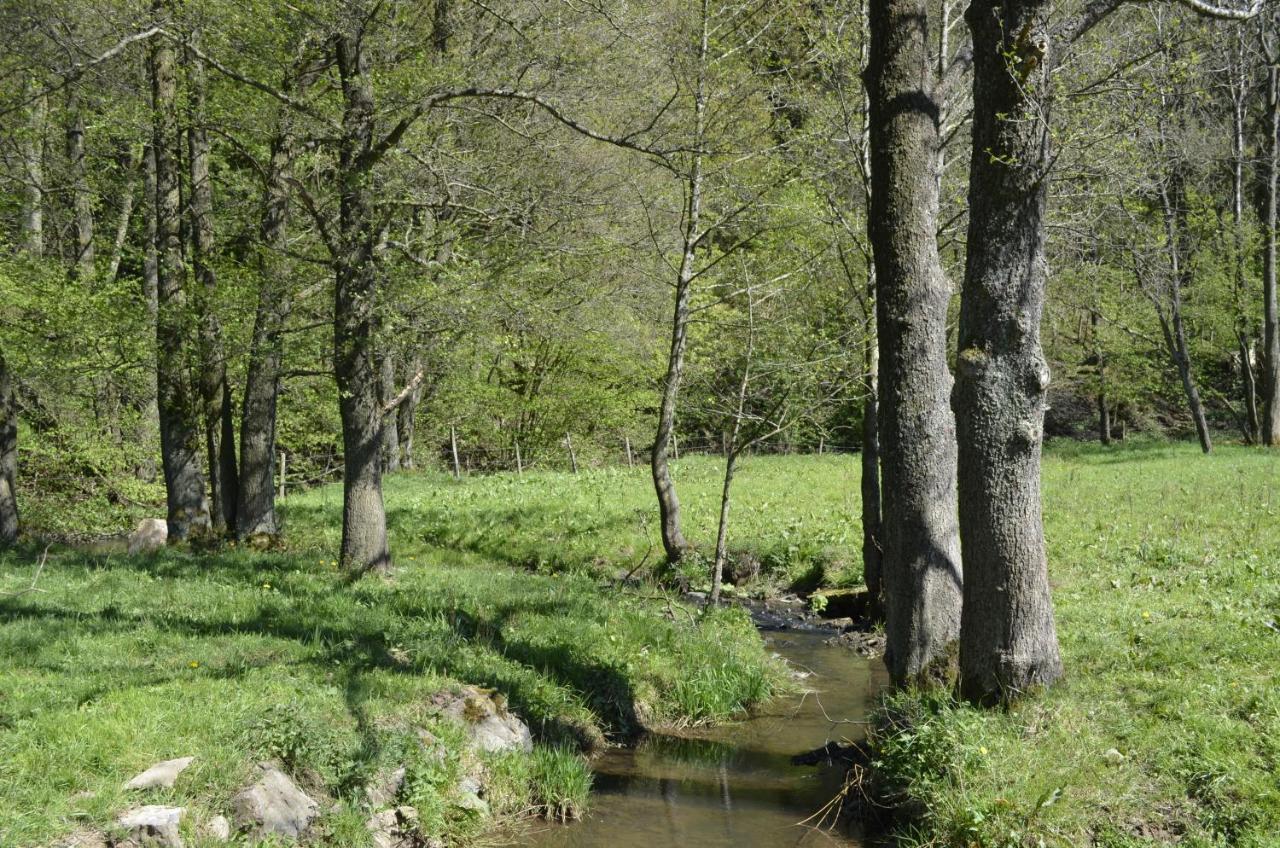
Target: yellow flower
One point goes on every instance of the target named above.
(983, 750)
(1146, 615)
(194, 664)
(266, 586)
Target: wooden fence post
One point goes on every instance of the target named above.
(630, 462)
(453, 443)
(573, 458)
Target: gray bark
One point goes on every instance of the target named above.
(32, 151)
(148, 410)
(219, 430)
(8, 457)
(364, 523)
(256, 509)
(406, 416)
(82, 267)
(921, 555)
(1008, 641)
(1271, 315)
(390, 452)
(131, 164)
(872, 553)
(179, 411)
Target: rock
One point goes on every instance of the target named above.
(151, 826)
(161, 775)
(1113, 756)
(696, 597)
(742, 568)
(218, 828)
(385, 787)
(469, 790)
(394, 828)
(273, 805)
(491, 726)
(150, 535)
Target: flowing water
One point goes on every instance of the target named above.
(733, 785)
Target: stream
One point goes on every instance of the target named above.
(733, 785)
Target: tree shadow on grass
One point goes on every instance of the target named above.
(348, 639)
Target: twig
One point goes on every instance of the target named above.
(39, 570)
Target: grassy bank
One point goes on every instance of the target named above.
(115, 663)
(1166, 573)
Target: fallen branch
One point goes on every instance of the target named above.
(34, 580)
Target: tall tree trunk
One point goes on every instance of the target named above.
(8, 457)
(390, 453)
(364, 522)
(406, 415)
(1271, 315)
(1244, 340)
(1174, 207)
(131, 163)
(1008, 642)
(148, 410)
(220, 452)
(82, 268)
(32, 151)
(179, 410)
(256, 509)
(922, 573)
(1104, 411)
(673, 541)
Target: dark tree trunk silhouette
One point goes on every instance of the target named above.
(922, 573)
(1008, 641)
(8, 457)
(188, 508)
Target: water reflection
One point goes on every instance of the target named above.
(734, 785)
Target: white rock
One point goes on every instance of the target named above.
(385, 787)
(1113, 756)
(273, 805)
(219, 828)
(152, 825)
(151, 534)
(161, 775)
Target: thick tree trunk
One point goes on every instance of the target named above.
(82, 267)
(256, 509)
(1008, 642)
(1271, 315)
(179, 411)
(32, 151)
(364, 522)
(872, 554)
(148, 410)
(922, 573)
(390, 453)
(220, 451)
(8, 457)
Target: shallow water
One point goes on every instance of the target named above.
(733, 785)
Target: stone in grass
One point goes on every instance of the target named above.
(150, 535)
(1113, 756)
(218, 828)
(161, 775)
(489, 724)
(273, 805)
(385, 787)
(397, 828)
(469, 790)
(151, 825)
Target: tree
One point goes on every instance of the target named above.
(8, 457)
(922, 571)
(188, 506)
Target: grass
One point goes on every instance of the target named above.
(1164, 565)
(1165, 568)
(235, 656)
